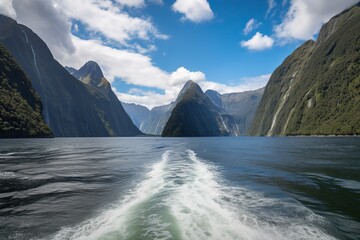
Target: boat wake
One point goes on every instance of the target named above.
(184, 197)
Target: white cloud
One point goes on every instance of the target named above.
(258, 42)
(194, 10)
(131, 67)
(7, 9)
(108, 19)
(271, 6)
(305, 17)
(131, 3)
(182, 75)
(245, 84)
(251, 25)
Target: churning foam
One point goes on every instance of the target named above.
(183, 197)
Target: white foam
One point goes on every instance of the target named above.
(115, 218)
(7, 174)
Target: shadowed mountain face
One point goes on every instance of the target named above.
(20, 106)
(195, 115)
(156, 120)
(70, 107)
(137, 113)
(242, 106)
(316, 90)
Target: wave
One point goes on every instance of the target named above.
(7, 174)
(184, 197)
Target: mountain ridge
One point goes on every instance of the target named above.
(70, 107)
(315, 91)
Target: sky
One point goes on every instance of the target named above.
(148, 49)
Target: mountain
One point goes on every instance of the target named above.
(70, 107)
(195, 115)
(242, 106)
(20, 106)
(137, 113)
(71, 70)
(316, 90)
(92, 75)
(154, 124)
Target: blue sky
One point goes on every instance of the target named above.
(214, 46)
(148, 49)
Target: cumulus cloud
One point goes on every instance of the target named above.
(194, 10)
(7, 9)
(251, 25)
(305, 17)
(258, 42)
(106, 18)
(182, 75)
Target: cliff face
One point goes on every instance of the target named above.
(316, 90)
(242, 106)
(20, 106)
(70, 107)
(137, 113)
(195, 115)
(157, 119)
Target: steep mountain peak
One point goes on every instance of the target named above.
(93, 68)
(90, 69)
(196, 115)
(191, 90)
(91, 74)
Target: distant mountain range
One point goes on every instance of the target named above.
(71, 108)
(241, 106)
(316, 90)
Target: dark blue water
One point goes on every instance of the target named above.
(198, 188)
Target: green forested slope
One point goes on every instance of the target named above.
(316, 90)
(20, 106)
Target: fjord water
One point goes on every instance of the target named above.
(185, 188)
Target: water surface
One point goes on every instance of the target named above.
(188, 188)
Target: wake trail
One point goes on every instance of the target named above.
(185, 197)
